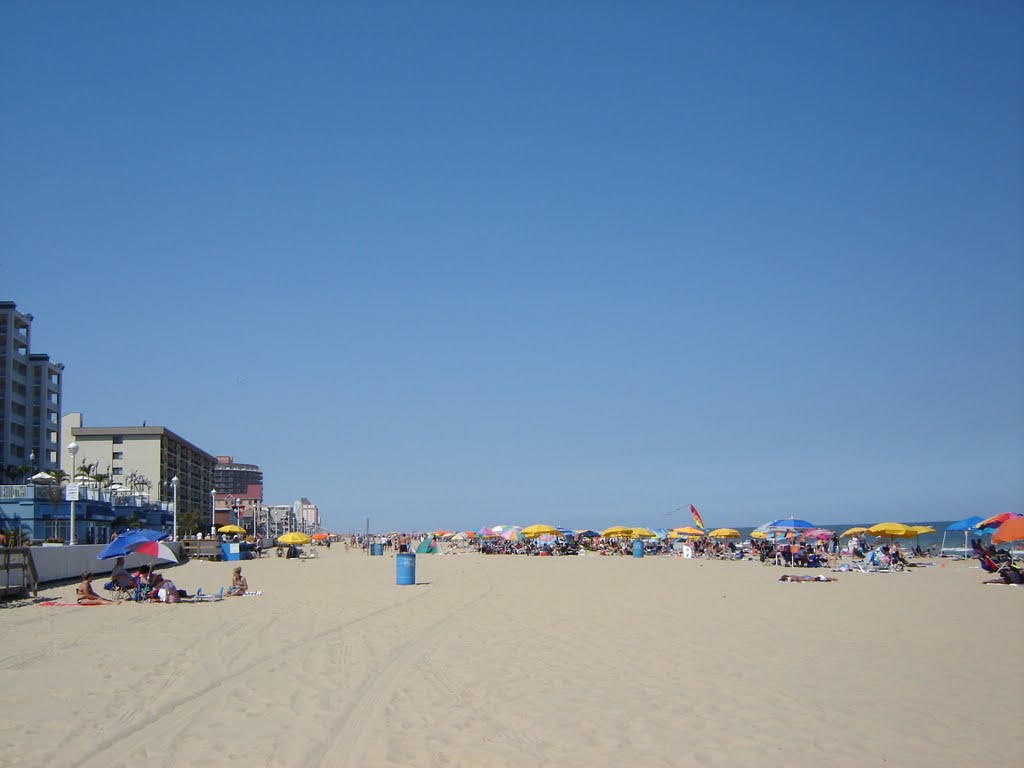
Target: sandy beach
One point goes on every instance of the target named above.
(511, 661)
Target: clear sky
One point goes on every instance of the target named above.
(454, 264)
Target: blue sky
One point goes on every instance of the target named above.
(457, 264)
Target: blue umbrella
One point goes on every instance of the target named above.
(789, 524)
(588, 534)
(121, 546)
(966, 525)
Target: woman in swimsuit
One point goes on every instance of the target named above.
(238, 584)
(87, 595)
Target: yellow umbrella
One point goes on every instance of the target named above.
(758, 535)
(892, 530)
(919, 529)
(687, 531)
(617, 532)
(533, 531)
(853, 531)
(294, 538)
(231, 529)
(644, 533)
(724, 533)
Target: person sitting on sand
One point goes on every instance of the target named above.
(795, 579)
(239, 586)
(87, 595)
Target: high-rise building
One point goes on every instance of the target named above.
(233, 477)
(30, 400)
(239, 491)
(145, 458)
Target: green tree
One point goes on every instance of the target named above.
(188, 523)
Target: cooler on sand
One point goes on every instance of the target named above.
(638, 548)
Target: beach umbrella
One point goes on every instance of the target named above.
(586, 533)
(294, 538)
(1011, 530)
(644, 533)
(511, 534)
(687, 531)
(484, 532)
(120, 546)
(617, 532)
(322, 536)
(231, 529)
(724, 533)
(155, 549)
(758, 535)
(856, 530)
(991, 524)
(503, 528)
(822, 534)
(966, 525)
(891, 530)
(533, 531)
(789, 524)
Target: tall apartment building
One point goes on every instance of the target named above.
(147, 455)
(307, 513)
(30, 398)
(239, 491)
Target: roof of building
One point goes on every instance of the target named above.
(77, 432)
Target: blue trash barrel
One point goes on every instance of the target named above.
(638, 548)
(377, 549)
(405, 568)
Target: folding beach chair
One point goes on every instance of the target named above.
(202, 597)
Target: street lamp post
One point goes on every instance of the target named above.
(73, 450)
(174, 504)
(213, 512)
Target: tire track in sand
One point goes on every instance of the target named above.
(270, 661)
(350, 732)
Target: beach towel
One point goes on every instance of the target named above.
(253, 594)
(56, 604)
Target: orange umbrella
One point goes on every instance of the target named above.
(321, 536)
(1011, 530)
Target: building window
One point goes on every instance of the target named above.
(118, 440)
(118, 470)
(118, 455)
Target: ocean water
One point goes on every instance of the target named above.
(926, 540)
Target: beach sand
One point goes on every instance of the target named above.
(512, 661)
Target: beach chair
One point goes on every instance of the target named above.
(203, 597)
(988, 564)
(120, 591)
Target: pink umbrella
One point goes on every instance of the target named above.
(511, 535)
(818, 533)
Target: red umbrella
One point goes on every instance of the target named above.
(156, 549)
(1011, 530)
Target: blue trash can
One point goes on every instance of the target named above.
(405, 568)
(377, 549)
(638, 548)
